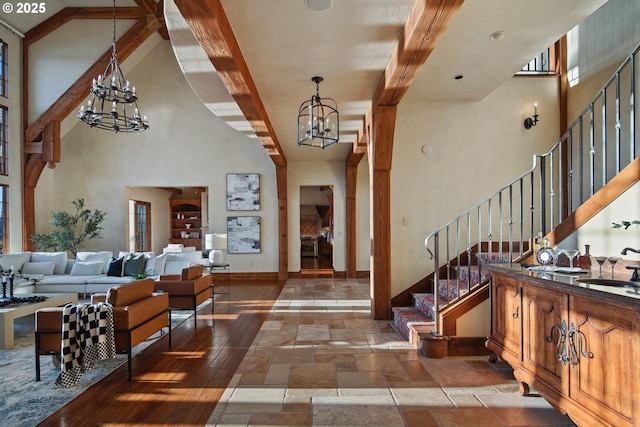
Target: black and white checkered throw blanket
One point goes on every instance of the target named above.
(87, 336)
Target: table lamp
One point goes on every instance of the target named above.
(216, 243)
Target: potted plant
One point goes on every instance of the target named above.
(71, 230)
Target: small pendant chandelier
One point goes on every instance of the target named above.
(114, 104)
(318, 120)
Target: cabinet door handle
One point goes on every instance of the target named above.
(516, 314)
(561, 345)
(576, 352)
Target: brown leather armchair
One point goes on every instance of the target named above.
(187, 290)
(138, 312)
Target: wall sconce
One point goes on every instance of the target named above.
(530, 122)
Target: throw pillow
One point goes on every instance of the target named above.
(158, 265)
(45, 268)
(116, 267)
(134, 265)
(59, 258)
(101, 256)
(7, 261)
(86, 269)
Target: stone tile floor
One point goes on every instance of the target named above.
(319, 360)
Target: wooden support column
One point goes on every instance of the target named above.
(283, 226)
(351, 178)
(380, 153)
(33, 168)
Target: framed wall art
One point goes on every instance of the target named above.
(243, 234)
(243, 191)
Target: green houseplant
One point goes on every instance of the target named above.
(71, 230)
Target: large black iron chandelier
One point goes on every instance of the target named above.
(318, 120)
(114, 104)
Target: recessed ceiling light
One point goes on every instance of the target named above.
(458, 77)
(319, 5)
(498, 35)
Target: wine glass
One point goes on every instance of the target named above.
(613, 260)
(571, 253)
(601, 260)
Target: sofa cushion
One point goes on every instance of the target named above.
(102, 256)
(59, 258)
(86, 268)
(185, 256)
(116, 267)
(191, 273)
(155, 266)
(45, 268)
(134, 264)
(175, 267)
(65, 279)
(109, 280)
(14, 260)
(128, 294)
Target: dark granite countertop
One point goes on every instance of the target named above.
(567, 279)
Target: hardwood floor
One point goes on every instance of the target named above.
(180, 385)
(321, 262)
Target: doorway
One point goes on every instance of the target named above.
(316, 227)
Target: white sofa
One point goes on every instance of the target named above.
(88, 273)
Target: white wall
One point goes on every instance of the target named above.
(447, 156)
(185, 146)
(14, 104)
(603, 239)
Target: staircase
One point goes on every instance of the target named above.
(462, 282)
(564, 188)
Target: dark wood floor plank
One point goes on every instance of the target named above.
(181, 384)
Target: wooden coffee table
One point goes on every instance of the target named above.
(9, 313)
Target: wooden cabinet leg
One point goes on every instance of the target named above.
(523, 389)
(493, 358)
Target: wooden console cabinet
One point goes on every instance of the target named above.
(578, 347)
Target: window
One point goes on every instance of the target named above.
(142, 226)
(4, 217)
(4, 140)
(3, 69)
(541, 64)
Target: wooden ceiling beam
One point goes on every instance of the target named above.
(70, 100)
(427, 22)
(69, 13)
(150, 7)
(210, 25)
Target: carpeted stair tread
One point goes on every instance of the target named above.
(405, 318)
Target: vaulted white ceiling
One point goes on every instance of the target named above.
(285, 44)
